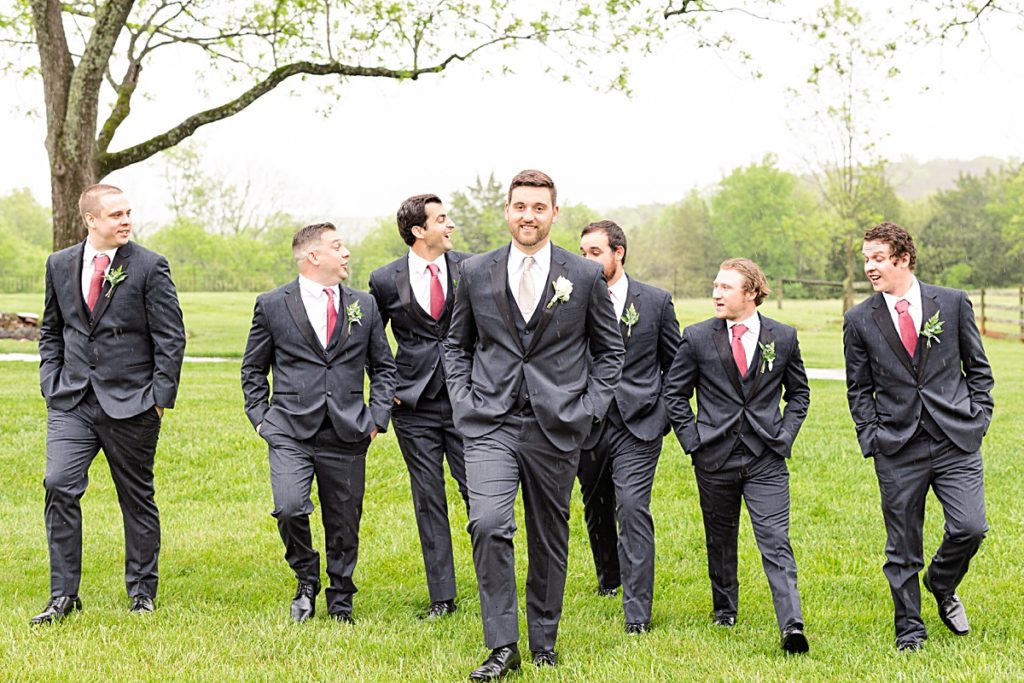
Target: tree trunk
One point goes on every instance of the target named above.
(68, 178)
(851, 273)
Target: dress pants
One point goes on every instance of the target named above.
(73, 438)
(426, 437)
(763, 482)
(495, 465)
(903, 479)
(340, 471)
(616, 478)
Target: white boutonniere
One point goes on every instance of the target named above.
(354, 314)
(563, 288)
(117, 275)
(932, 329)
(630, 318)
(767, 356)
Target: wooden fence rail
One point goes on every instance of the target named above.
(997, 300)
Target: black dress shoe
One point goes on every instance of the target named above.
(499, 663)
(794, 641)
(441, 608)
(908, 645)
(545, 658)
(638, 628)
(343, 617)
(142, 604)
(57, 608)
(304, 602)
(607, 592)
(726, 620)
(951, 610)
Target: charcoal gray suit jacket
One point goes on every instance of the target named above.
(309, 379)
(887, 389)
(731, 408)
(491, 367)
(129, 349)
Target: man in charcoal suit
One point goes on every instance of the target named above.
(416, 293)
(319, 338)
(920, 393)
(619, 459)
(741, 364)
(111, 346)
(526, 393)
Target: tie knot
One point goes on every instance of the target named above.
(528, 263)
(739, 330)
(330, 294)
(101, 260)
(432, 267)
(902, 305)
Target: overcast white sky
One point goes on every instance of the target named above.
(693, 118)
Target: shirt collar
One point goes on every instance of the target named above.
(418, 264)
(753, 324)
(516, 256)
(91, 253)
(314, 288)
(912, 295)
(620, 290)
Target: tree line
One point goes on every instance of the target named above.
(970, 235)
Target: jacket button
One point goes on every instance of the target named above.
(328, 367)
(734, 432)
(329, 393)
(92, 337)
(92, 367)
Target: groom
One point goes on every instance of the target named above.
(528, 316)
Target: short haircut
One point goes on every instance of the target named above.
(307, 239)
(899, 240)
(754, 280)
(89, 201)
(616, 238)
(413, 212)
(533, 178)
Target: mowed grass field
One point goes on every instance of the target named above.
(222, 611)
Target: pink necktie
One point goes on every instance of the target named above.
(332, 315)
(436, 293)
(738, 354)
(908, 333)
(99, 270)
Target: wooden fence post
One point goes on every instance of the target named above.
(782, 281)
(983, 312)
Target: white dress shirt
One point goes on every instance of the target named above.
(419, 277)
(315, 301)
(539, 272)
(913, 297)
(88, 266)
(749, 338)
(618, 292)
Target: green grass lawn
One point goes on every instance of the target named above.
(225, 588)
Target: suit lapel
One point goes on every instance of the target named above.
(499, 283)
(721, 339)
(120, 261)
(343, 328)
(556, 271)
(403, 280)
(766, 337)
(632, 299)
(76, 282)
(929, 307)
(454, 273)
(884, 322)
(293, 300)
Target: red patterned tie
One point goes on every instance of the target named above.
(738, 354)
(332, 314)
(436, 293)
(908, 333)
(99, 270)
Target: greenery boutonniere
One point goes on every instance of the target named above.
(114, 277)
(563, 288)
(354, 314)
(767, 356)
(630, 318)
(932, 329)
